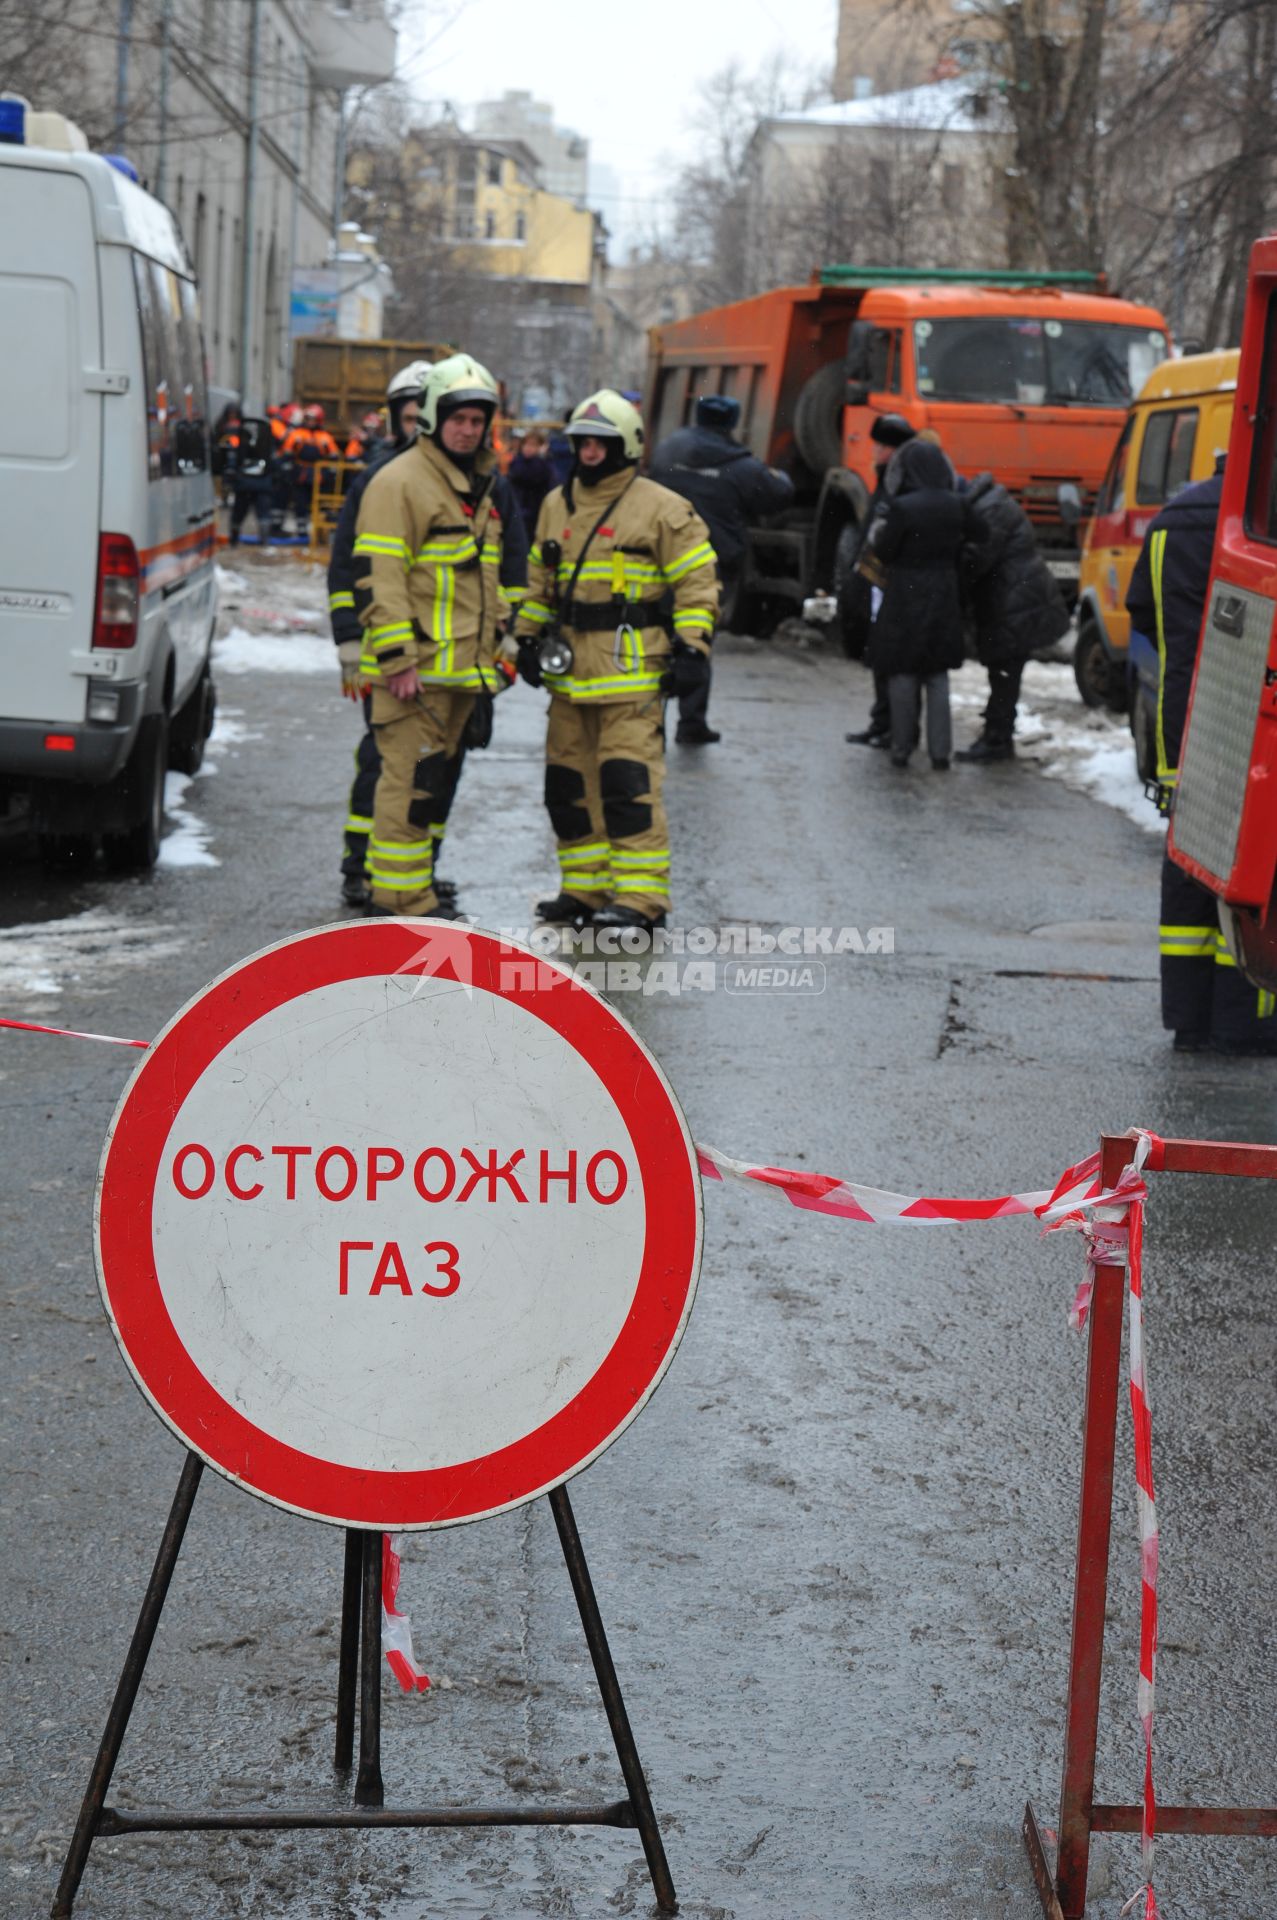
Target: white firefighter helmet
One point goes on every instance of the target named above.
(409, 380)
(607, 415)
(457, 381)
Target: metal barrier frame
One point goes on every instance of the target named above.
(1063, 1891)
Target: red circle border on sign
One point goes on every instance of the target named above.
(285, 1475)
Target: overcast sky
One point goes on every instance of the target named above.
(625, 76)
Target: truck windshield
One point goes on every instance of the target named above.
(1024, 361)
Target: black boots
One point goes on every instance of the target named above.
(628, 917)
(565, 911)
(983, 750)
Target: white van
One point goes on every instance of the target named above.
(108, 594)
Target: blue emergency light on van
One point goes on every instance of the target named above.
(121, 165)
(13, 121)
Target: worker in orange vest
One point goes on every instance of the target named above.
(305, 446)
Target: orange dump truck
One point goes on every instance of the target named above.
(1026, 376)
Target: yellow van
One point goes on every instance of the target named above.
(1177, 424)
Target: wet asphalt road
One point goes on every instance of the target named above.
(834, 1555)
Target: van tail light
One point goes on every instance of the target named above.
(119, 582)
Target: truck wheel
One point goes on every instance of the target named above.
(818, 418)
(1099, 682)
(192, 726)
(739, 608)
(850, 628)
(136, 848)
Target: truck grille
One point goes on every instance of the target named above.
(1039, 497)
(1221, 732)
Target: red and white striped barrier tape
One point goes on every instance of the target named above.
(1113, 1225)
(69, 1033)
(396, 1627)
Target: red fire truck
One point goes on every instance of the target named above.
(1224, 826)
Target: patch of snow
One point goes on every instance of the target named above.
(240, 651)
(1091, 751)
(229, 730)
(186, 842)
(1104, 768)
(42, 958)
(228, 581)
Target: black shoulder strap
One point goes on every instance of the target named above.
(586, 544)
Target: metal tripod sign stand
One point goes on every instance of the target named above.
(398, 1227)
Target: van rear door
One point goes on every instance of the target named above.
(50, 438)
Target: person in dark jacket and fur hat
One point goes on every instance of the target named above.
(1017, 608)
(888, 432)
(731, 489)
(917, 636)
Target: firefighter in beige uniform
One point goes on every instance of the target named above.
(616, 557)
(427, 554)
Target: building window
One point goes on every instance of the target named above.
(520, 227)
(494, 169)
(951, 188)
(489, 226)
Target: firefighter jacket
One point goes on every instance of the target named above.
(428, 556)
(647, 576)
(345, 599)
(1165, 601)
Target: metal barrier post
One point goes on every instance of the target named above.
(1062, 1886)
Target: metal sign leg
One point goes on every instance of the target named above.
(369, 1791)
(126, 1692)
(348, 1659)
(613, 1703)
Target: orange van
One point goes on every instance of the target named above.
(1177, 424)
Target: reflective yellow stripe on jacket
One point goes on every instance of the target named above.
(1168, 775)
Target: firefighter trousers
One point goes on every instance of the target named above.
(354, 858)
(1205, 995)
(604, 776)
(418, 741)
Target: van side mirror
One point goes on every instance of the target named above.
(1070, 503)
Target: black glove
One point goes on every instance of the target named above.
(529, 662)
(477, 732)
(687, 671)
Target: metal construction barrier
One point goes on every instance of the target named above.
(329, 487)
(1062, 1884)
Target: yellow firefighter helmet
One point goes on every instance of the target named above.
(457, 381)
(609, 416)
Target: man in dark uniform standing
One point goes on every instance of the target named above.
(1207, 1002)
(730, 489)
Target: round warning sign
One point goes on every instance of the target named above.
(398, 1224)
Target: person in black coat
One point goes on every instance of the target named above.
(855, 597)
(917, 636)
(531, 474)
(1017, 607)
(731, 489)
(1207, 1002)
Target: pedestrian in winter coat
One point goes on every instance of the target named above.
(855, 596)
(1207, 1002)
(532, 477)
(1017, 607)
(917, 636)
(730, 488)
